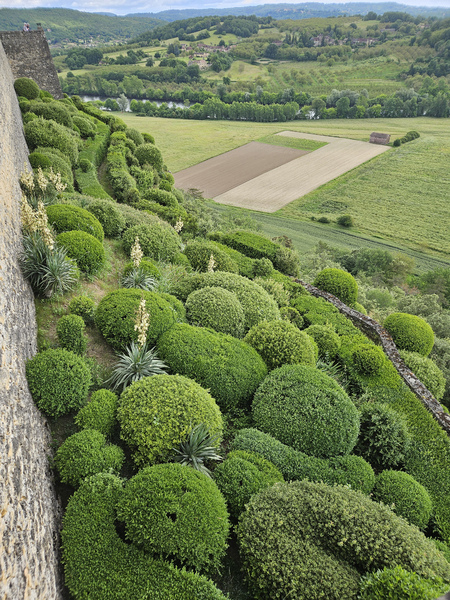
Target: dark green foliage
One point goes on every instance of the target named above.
(326, 338)
(344, 470)
(116, 316)
(383, 438)
(150, 155)
(410, 500)
(161, 197)
(111, 219)
(86, 453)
(345, 221)
(291, 314)
(84, 248)
(85, 126)
(170, 510)
(157, 413)
(427, 371)
(244, 263)
(37, 159)
(59, 381)
(27, 88)
(306, 409)
(216, 308)
(251, 244)
(280, 343)
(70, 332)
(339, 283)
(148, 138)
(262, 267)
(135, 135)
(165, 185)
(337, 532)
(52, 110)
(397, 143)
(242, 475)
(51, 134)
(84, 307)
(158, 239)
(368, 359)
(58, 161)
(397, 583)
(98, 564)
(99, 413)
(228, 367)
(64, 217)
(410, 332)
(85, 165)
(199, 253)
(146, 265)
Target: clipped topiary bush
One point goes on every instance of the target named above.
(383, 438)
(162, 197)
(327, 340)
(397, 583)
(116, 316)
(243, 474)
(27, 88)
(85, 126)
(291, 314)
(199, 253)
(368, 359)
(262, 267)
(306, 409)
(84, 248)
(157, 413)
(216, 308)
(99, 413)
(59, 381)
(407, 497)
(339, 283)
(280, 343)
(58, 161)
(84, 307)
(410, 333)
(146, 265)
(275, 289)
(53, 110)
(86, 453)
(64, 217)
(149, 154)
(427, 371)
(169, 510)
(70, 332)
(111, 219)
(228, 367)
(51, 134)
(158, 239)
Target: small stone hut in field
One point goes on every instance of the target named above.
(379, 138)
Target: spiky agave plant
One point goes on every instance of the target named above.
(138, 278)
(134, 364)
(199, 447)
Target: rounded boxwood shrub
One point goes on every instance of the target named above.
(228, 367)
(280, 343)
(311, 540)
(85, 126)
(327, 340)
(243, 474)
(162, 197)
(99, 413)
(116, 316)
(146, 265)
(99, 564)
(427, 371)
(262, 267)
(53, 110)
(59, 381)
(135, 135)
(291, 314)
(70, 332)
(276, 289)
(87, 453)
(59, 163)
(306, 409)
(176, 513)
(410, 333)
(408, 498)
(216, 308)
(397, 583)
(165, 185)
(85, 165)
(84, 248)
(158, 239)
(50, 133)
(176, 305)
(368, 359)
(157, 413)
(27, 88)
(65, 217)
(37, 159)
(84, 307)
(149, 154)
(339, 283)
(109, 216)
(383, 438)
(199, 254)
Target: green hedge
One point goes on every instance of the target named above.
(161, 197)
(84, 248)
(55, 111)
(51, 134)
(199, 253)
(339, 283)
(49, 157)
(251, 244)
(99, 413)
(176, 513)
(150, 155)
(344, 470)
(70, 332)
(116, 316)
(397, 584)
(59, 381)
(157, 239)
(157, 413)
(216, 308)
(64, 217)
(111, 219)
(410, 333)
(228, 367)
(306, 409)
(98, 564)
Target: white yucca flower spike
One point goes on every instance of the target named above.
(211, 264)
(178, 225)
(142, 323)
(136, 253)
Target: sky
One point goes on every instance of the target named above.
(122, 7)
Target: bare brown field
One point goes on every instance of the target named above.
(270, 189)
(222, 173)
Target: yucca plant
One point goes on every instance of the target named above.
(334, 370)
(199, 447)
(138, 278)
(134, 364)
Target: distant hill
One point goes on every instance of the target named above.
(62, 25)
(305, 10)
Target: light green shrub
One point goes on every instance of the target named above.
(326, 338)
(216, 308)
(410, 333)
(339, 283)
(397, 583)
(84, 307)
(51, 134)
(199, 253)
(111, 219)
(99, 413)
(84, 248)
(27, 88)
(149, 154)
(64, 217)
(427, 371)
(70, 332)
(157, 239)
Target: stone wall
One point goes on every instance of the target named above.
(29, 515)
(378, 334)
(29, 56)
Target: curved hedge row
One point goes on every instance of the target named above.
(49, 133)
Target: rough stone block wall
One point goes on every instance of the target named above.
(29, 56)
(29, 514)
